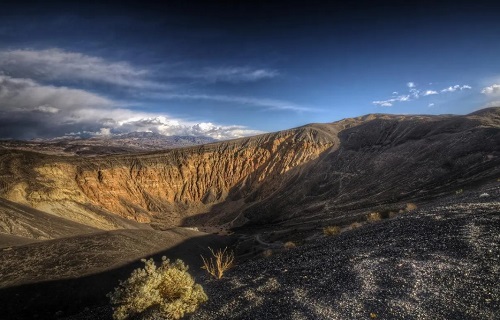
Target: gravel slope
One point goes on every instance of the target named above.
(441, 261)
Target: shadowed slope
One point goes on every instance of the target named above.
(349, 164)
(389, 160)
(28, 223)
(439, 262)
(164, 186)
(64, 276)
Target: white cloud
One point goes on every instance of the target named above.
(47, 109)
(50, 110)
(456, 87)
(30, 107)
(429, 92)
(129, 121)
(414, 94)
(390, 102)
(490, 105)
(28, 95)
(57, 64)
(258, 102)
(383, 103)
(232, 74)
(104, 132)
(494, 90)
(430, 105)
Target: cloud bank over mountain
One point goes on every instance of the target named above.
(45, 93)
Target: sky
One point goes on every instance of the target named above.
(227, 69)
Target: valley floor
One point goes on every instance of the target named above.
(441, 261)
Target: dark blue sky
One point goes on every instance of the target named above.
(233, 68)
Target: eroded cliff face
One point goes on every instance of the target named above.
(166, 186)
(190, 181)
(313, 172)
(385, 161)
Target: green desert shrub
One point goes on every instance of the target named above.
(168, 290)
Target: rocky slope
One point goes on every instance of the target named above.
(23, 221)
(166, 186)
(308, 174)
(23, 224)
(387, 161)
(441, 261)
(48, 279)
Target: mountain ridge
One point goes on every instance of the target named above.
(232, 182)
(406, 194)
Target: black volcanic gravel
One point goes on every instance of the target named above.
(438, 262)
(441, 261)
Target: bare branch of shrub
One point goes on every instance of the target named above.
(218, 263)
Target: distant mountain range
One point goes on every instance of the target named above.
(379, 216)
(106, 144)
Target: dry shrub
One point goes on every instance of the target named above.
(355, 225)
(410, 207)
(167, 290)
(267, 253)
(374, 216)
(218, 263)
(289, 245)
(331, 230)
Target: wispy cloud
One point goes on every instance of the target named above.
(28, 95)
(456, 88)
(492, 90)
(57, 64)
(34, 103)
(495, 103)
(390, 102)
(231, 74)
(429, 92)
(265, 103)
(30, 109)
(414, 93)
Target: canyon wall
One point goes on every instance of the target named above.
(163, 186)
(318, 171)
